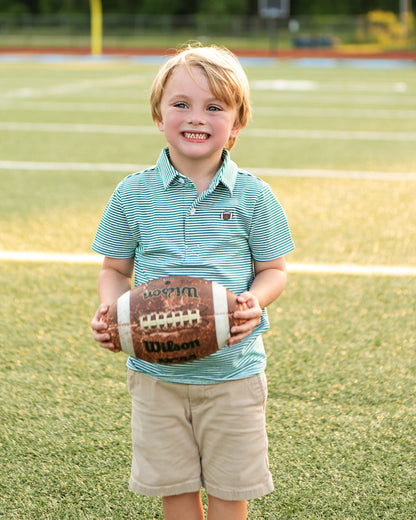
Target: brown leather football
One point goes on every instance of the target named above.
(174, 319)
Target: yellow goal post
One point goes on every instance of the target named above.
(96, 13)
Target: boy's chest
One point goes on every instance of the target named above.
(182, 217)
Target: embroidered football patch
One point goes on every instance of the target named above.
(226, 215)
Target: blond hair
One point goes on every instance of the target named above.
(226, 78)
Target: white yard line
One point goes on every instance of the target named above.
(302, 85)
(33, 256)
(254, 132)
(299, 111)
(336, 113)
(346, 99)
(72, 88)
(282, 86)
(261, 172)
(70, 166)
(71, 106)
(346, 269)
(343, 135)
(78, 128)
(335, 174)
(353, 269)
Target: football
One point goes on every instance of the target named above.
(174, 319)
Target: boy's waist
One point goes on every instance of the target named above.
(245, 359)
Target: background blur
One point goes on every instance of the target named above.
(370, 24)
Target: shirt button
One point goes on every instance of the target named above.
(192, 211)
(181, 180)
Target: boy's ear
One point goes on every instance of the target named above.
(234, 131)
(160, 124)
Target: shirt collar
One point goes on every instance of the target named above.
(226, 174)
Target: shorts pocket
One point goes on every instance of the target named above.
(134, 383)
(258, 388)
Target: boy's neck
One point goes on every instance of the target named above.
(199, 171)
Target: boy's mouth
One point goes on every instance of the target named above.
(196, 135)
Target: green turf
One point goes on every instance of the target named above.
(341, 413)
(341, 366)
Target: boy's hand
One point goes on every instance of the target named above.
(99, 329)
(252, 317)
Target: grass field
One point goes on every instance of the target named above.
(341, 349)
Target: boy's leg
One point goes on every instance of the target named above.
(183, 507)
(226, 509)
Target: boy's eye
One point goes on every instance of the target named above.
(180, 105)
(213, 108)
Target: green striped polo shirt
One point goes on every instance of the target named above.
(157, 217)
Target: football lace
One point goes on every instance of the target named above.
(164, 320)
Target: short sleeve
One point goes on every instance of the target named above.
(270, 236)
(114, 236)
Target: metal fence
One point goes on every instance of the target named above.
(119, 29)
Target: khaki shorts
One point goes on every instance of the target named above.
(190, 436)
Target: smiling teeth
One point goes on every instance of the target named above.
(191, 135)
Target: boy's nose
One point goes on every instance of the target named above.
(196, 117)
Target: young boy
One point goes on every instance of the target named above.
(202, 423)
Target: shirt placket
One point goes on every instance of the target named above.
(193, 249)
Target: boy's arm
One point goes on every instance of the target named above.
(114, 280)
(268, 284)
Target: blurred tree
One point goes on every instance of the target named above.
(159, 6)
(216, 7)
(21, 6)
(14, 7)
(219, 7)
(63, 6)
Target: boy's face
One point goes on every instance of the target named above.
(196, 124)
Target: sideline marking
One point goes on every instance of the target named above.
(349, 269)
(254, 132)
(260, 172)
